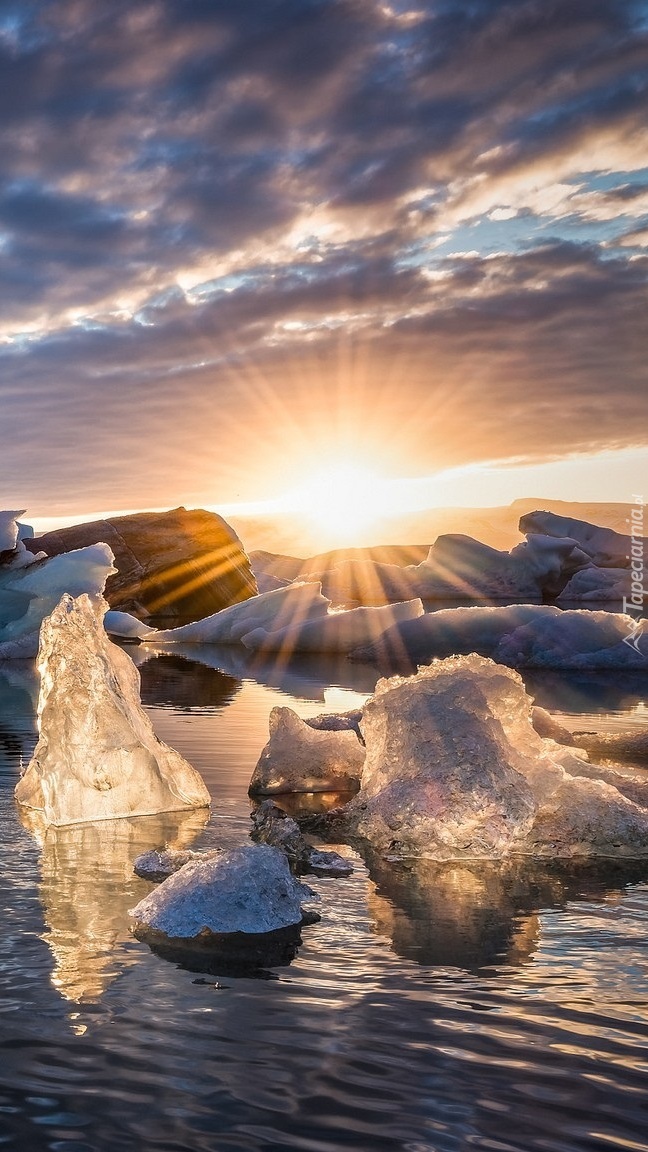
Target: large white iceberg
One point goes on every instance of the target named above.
(32, 585)
(335, 631)
(97, 757)
(519, 635)
(284, 607)
(454, 769)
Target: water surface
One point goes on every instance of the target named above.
(433, 1009)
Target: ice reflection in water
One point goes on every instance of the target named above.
(431, 1010)
(87, 887)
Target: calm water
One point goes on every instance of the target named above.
(431, 1010)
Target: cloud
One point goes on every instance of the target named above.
(217, 216)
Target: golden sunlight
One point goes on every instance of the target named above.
(341, 502)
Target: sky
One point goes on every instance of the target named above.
(244, 242)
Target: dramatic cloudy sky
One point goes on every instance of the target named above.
(241, 237)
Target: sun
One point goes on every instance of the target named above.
(341, 503)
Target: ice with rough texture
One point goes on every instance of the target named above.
(546, 725)
(271, 825)
(285, 607)
(519, 635)
(30, 591)
(597, 585)
(334, 632)
(248, 889)
(159, 863)
(454, 769)
(97, 757)
(607, 548)
(301, 758)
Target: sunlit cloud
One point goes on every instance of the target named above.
(239, 240)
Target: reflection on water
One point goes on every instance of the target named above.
(164, 680)
(87, 887)
(19, 685)
(232, 955)
(433, 1009)
(476, 915)
(298, 674)
(587, 692)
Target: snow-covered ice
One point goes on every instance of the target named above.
(97, 757)
(32, 585)
(284, 607)
(335, 631)
(597, 585)
(9, 529)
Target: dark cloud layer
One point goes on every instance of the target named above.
(219, 217)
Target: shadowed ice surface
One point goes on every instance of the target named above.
(431, 1010)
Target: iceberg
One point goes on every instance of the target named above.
(605, 547)
(631, 744)
(271, 825)
(460, 567)
(284, 607)
(303, 756)
(9, 530)
(597, 585)
(454, 769)
(97, 757)
(32, 585)
(518, 635)
(126, 627)
(246, 890)
(183, 563)
(335, 631)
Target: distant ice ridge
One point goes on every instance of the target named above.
(518, 635)
(97, 757)
(561, 558)
(458, 567)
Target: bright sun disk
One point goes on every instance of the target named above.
(341, 501)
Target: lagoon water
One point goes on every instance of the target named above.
(431, 1010)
